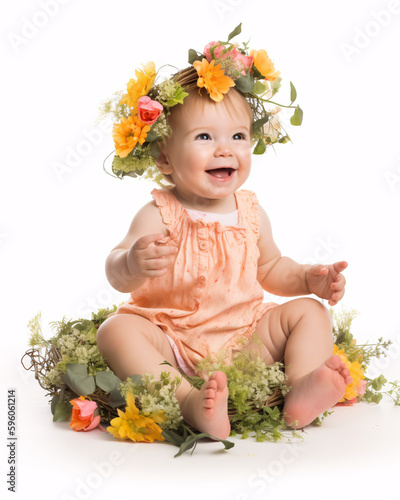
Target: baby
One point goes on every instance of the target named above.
(196, 261)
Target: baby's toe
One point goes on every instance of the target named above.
(209, 393)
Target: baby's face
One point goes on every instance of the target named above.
(209, 153)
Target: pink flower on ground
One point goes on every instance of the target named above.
(83, 415)
(148, 110)
(362, 387)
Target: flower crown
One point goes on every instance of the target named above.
(142, 111)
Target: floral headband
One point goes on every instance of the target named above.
(142, 111)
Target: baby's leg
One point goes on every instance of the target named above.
(299, 332)
(132, 345)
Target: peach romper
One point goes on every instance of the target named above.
(209, 302)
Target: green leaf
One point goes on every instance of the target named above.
(260, 148)
(293, 93)
(235, 32)
(152, 136)
(174, 437)
(297, 117)
(245, 83)
(276, 85)
(62, 411)
(155, 150)
(137, 379)
(107, 381)
(259, 88)
(78, 379)
(191, 442)
(116, 399)
(193, 56)
(54, 402)
(259, 123)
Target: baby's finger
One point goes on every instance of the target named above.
(339, 282)
(144, 241)
(340, 266)
(162, 251)
(318, 270)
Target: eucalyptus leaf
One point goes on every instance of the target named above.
(137, 379)
(152, 136)
(235, 32)
(297, 117)
(193, 56)
(78, 379)
(245, 83)
(107, 381)
(62, 411)
(293, 93)
(260, 148)
(116, 399)
(54, 402)
(192, 440)
(155, 150)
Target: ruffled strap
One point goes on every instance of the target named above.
(249, 210)
(170, 208)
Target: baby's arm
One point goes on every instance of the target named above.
(133, 261)
(283, 276)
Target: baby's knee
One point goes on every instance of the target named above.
(315, 308)
(106, 333)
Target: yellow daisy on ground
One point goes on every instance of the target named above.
(132, 425)
(127, 134)
(213, 79)
(356, 373)
(140, 86)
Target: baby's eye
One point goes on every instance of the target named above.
(204, 136)
(239, 135)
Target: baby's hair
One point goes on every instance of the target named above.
(187, 78)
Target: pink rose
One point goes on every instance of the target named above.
(84, 415)
(217, 51)
(148, 110)
(247, 61)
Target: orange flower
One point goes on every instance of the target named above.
(356, 373)
(264, 65)
(213, 79)
(127, 134)
(139, 87)
(84, 415)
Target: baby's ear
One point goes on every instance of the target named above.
(162, 162)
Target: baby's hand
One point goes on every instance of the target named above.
(327, 282)
(150, 262)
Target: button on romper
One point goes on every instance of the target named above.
(209, 302)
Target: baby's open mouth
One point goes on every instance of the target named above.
(221, 173)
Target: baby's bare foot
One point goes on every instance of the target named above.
(207, 409)
(316, 392)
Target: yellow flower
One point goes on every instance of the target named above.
(138, 428)
(264, 65)
(127, 134)
(139, 87)
(356, 373)
(213, 79)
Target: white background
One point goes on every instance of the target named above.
(332, 194)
